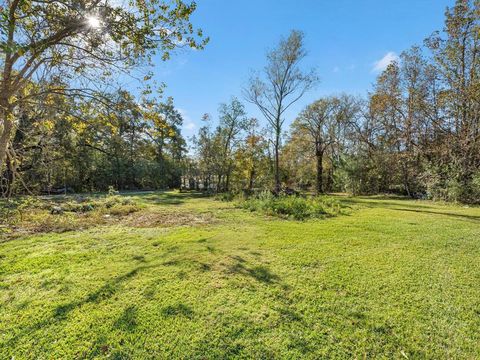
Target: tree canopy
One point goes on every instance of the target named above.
(65, 123)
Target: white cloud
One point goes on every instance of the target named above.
(382, 64)
(188, 124)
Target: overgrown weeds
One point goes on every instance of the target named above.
(26, 215)
(226, 196)
(293, 207)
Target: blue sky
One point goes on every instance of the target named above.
(345, 40)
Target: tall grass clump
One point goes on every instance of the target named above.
(292, 207)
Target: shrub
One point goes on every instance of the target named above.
(227, 196)
(295, 207)
(13, 209)
(123, 209)
(112, 191)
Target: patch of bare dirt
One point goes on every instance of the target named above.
(169, 219)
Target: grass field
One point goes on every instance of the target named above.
(190, 277)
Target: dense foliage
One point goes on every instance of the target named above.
(122, 144)
(59, 93)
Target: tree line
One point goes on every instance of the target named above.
(65, 120)
(416, 132)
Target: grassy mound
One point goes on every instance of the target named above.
(293, 207)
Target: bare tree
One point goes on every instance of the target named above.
(280, 85)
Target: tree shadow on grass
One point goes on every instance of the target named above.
(139, 258)
(61, 312)
(289, 315)
(210, 249)
(260, 273)
(474, 218)
(128, 320)
(103, 293)
(384, 203)
(238, 258)
(178, 310)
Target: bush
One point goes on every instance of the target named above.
(451, 184)
(476, 188)
(295, 207)
(85, 205)
(123, 209)
(227, 196)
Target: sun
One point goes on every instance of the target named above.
(93, 22)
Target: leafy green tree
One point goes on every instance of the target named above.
(457, 65)
(164, 123)
(81, 42)
(320, 120)
(232, 123)
(252, 164)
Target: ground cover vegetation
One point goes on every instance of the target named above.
(190, 276)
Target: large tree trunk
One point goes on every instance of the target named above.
(227, 182)
(277, 163)
(406, 181)
(6, 128)
(219, 184)
(319, 156)
(162, 182)
(251, 179)
(206, 183)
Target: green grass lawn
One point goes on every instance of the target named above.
(190, 277)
